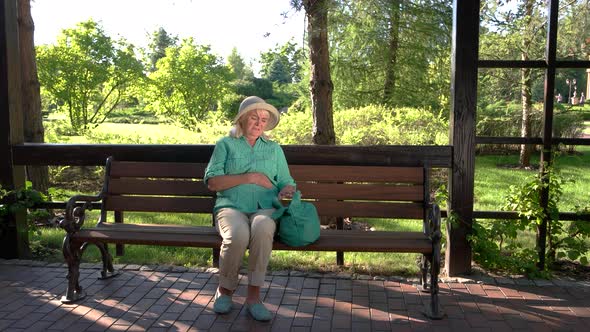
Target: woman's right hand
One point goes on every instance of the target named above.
(259, 179)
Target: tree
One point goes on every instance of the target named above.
(188, 82)
(526, 84)
(321, 85)
(283, 64)
(573, 42)
(87, 74)
(394, 52)
(238, 67)
(31, 98)
(278, 72)
(518, 33)
(160, 40)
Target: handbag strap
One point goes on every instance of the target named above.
(280, 209)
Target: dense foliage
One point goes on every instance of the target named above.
(87, 74)
(187, 83)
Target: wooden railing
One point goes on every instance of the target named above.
(96, 154)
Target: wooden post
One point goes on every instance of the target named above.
(464, 56)
(549, 92)
(14, 241)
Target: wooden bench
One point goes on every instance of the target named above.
(337, 191)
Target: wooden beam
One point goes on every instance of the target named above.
(532, 64)
(14, 242)
(464, 57)
(96, 154)
(549, 93)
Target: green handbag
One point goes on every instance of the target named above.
(298, 223)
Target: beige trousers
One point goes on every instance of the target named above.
(240, 231)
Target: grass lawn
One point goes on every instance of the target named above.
(492, 183)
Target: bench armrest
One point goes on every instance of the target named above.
(76, 212)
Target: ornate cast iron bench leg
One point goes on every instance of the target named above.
(433, 311)
(72, 252)
(424, 262)
(107, 262)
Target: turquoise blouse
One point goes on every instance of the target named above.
(235, 156)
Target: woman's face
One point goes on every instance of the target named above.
(255, 122)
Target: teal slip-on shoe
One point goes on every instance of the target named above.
(259, 312)
(223, 304)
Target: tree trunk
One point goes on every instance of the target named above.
(31, 97)
(394, 25)
(321, 85)
(525, 128)
(526, 88)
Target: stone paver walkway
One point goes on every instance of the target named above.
(179, 299)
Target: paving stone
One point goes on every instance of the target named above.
(543, 282)
(363, 277)
(38, 263)
(212, 270)
(147, 268)
(297, 274)
(197, 269)
(504, 281)
(163, 268)
(131, 267)
(523, 282)
(396, 278)
(179, 269)
(280, 273)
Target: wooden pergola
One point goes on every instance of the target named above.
(458, 156)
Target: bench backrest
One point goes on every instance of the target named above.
(337, 191)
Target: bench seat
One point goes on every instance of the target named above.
(207, 237)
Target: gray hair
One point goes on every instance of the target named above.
(237, 131)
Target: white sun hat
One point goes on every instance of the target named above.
(257, 103)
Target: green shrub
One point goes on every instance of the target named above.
(509, 245)
(370, 125)
(294, 128)
(230, 104)
(379, 125)
(133, 115)
(503, 119)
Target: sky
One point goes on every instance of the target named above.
(222, 24)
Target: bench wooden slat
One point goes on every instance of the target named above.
(157, 169)
(357, 173)
(144, 186)
(361, 191)
(299, 172)
(195, 236)
(325, 208)
(159, 204)
(195, 230)
(310, 190)
(370, 209)
(119, 186)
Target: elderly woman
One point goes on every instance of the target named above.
(248, 171)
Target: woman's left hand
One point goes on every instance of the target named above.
(287, 192)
